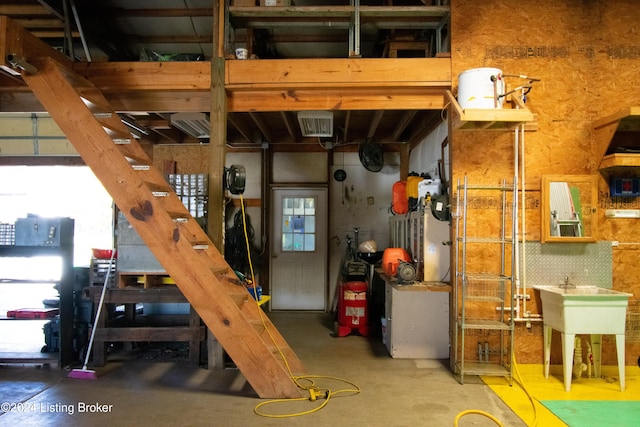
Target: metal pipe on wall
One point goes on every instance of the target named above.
(523, 214)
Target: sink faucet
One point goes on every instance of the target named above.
(566, 284)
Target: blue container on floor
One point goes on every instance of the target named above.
(253, 291)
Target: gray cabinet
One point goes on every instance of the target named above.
(417, 321)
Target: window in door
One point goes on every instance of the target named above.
(299, 224)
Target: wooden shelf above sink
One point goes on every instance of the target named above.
(499, 119)
(614, 132)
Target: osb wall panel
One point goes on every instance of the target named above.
(587, 56)
(188, 158)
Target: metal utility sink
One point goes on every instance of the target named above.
(587, 291)
(583, 310)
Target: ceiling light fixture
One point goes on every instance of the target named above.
(316, 123)
(194, 124)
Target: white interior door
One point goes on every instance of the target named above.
(299, 249)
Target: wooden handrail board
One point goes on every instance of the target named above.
(170, 242)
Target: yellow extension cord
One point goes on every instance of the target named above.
(494, 419)
(315, 393)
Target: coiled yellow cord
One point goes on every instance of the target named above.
(315, 393)
(518, 378)
(479, 412)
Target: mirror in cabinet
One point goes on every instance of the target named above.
(569, 208)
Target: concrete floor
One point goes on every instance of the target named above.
(159, 391)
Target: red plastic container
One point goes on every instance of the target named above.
(102, 253)
(400, 202)
(390, 260)
(352, 309)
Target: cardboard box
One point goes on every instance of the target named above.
(277, 3)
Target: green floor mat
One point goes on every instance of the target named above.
(596, 413)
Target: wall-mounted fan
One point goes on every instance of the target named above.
(371, 156)
(234, 179)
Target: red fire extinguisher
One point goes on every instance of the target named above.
(352, 309)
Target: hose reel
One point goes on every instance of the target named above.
(235, 178)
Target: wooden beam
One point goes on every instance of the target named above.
(146, 76)
(389, 98)
(402, 124)
(371, 72)
(264, 128)
(19, 10)
(249, 203)
(405, 151)
(217, 145)
(197, 101)
(150, 13)
(19, 43)
(242, 127)
(157, 333)
(359, 84)
(375, 121)
(347, 123)
(291, 125)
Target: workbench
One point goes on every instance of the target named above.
(175, 327)
(144, 329)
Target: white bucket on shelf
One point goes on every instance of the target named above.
(478, 87)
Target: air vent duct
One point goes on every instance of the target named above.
(194, 124)
(316, 123)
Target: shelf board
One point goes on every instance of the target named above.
(29, 357)
(324, 16)
(486, 277)
(483, 298)
(484, 324)
(483, 368)
(413, 13)
(490, 119)
(507, 240)
(622, 160)
(488, 187)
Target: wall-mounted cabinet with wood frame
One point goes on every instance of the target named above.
(569, 205)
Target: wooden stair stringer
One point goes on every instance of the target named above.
(197, 272)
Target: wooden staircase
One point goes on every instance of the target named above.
(171, 233)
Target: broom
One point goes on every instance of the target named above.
(84, 373)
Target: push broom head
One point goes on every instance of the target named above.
(83, 374)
